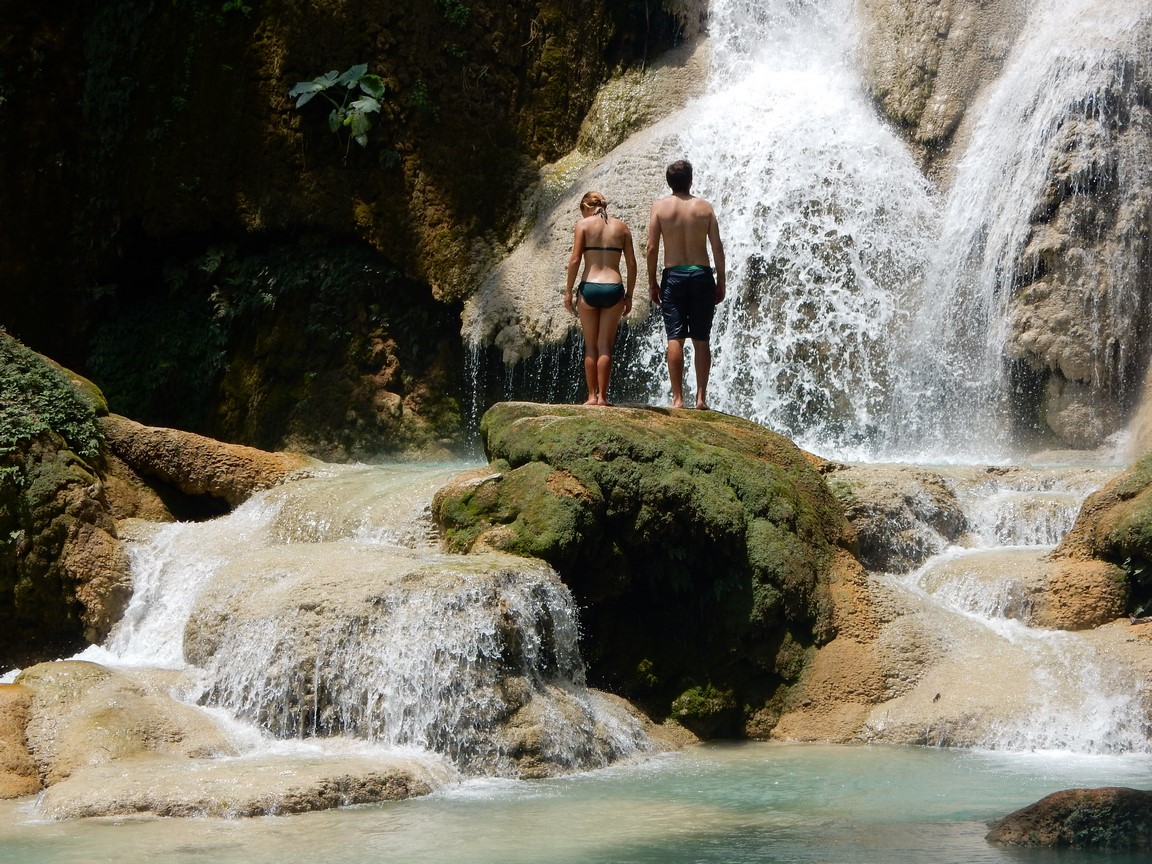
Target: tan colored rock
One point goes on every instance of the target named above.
(129, 496)
(257, 786)
(1081, 595)
(83, 714)
(197, 465)
(18, 774)
(927, 59)
(902, 514)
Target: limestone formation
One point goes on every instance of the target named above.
(333, 624)
(1078, 290)
(197, 465)
(926, 60)
(700, 545)
(1102, 565)
(230, 789)
(1113, 819)
(902, 515)
(18, 773)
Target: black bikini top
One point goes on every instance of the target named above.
(605, 248)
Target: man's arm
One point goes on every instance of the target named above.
(717, 256)
(653, 255)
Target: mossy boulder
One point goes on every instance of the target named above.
(1112, 819)
(63, 572)
(698, 544)
(1112, 538)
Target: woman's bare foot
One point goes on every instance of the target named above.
(604, 402)
(592, 401)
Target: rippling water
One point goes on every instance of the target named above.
(728, 804)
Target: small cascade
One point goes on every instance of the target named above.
(1009, 685)
(320, 609)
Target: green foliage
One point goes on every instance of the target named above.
(356, 83)
(421, 100)
(455, 12)
(707, 711)
(36, 397)
(162, 358)
(236, 6)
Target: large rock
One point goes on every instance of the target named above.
(63, 574)
(196, 465)
(84, 714)
(18, 772)
(110, 743)
(701, 547)
(1114, 819)
(258, 786)
(1104, 564)
(474, 657)
(902, 514)
(926, 60)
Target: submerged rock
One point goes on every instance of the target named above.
(1114, 819)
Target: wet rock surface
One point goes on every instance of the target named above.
(1112, 819)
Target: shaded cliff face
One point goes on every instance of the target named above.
(139, 138)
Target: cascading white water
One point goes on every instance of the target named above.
(825, 218)
(954, 392)
(320, 609)
(1051, 690)
(867, 315)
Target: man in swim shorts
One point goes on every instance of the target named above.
(688, 291)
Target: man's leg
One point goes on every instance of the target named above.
(676, 371)
(702, 363)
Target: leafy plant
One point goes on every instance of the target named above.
(455, 12)
(36, 397)
(356, 82)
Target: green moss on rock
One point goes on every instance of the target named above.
(699, 543)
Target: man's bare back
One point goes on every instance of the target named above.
(687, 226)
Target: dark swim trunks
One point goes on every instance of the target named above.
(601, 295)
(688, 302)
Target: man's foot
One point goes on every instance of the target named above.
(700, 406)
(592, 401)
(677, 403)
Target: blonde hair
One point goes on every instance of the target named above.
(596, 202)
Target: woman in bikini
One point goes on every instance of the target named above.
(603, 300)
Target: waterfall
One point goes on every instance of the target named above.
(825, 218)
(873, 316)
(1009, 685)
(1057, 102)
(320, 609)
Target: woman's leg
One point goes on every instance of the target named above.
(605, 342)
(590, 324)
